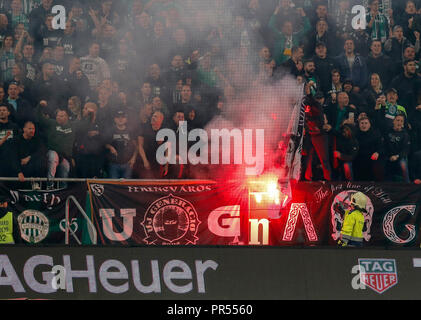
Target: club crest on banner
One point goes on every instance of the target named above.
(340, 204)
(378, 274)
(34, 226)
(171, 220)
(97, 189)
(73, 225)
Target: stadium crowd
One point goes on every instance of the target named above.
(88, 100)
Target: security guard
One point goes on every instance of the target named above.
(352, 228)
(9, 227)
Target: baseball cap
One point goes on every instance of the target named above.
(392, 90)
(120, 113)
(319, 95)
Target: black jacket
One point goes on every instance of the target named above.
(77, 87)
(53, 91)
(383, 66)
(397, 48)
(397, 143)
(25, 111)
(370, 142)
(324, 68)
(348, 147)
(33, 147)
(329, 39)
(92, 145)
(370, 97)
(9, 166)
(332, 115)
(408, 89)
(314, 118)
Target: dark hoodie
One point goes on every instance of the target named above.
(383, 66)
(314, 118)
(355, 99)
(196, 122)
(397, 143)
(370, 142)
(394, 48)
(348, 147)
(9, 164)
(402, 20)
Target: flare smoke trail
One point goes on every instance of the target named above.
(267, 108)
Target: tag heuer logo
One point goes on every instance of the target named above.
(378, 274)
(171, 220)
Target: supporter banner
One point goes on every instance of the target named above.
(41, 214)
(316, 213)
(207, 213)
(292, 144)
(169, 213)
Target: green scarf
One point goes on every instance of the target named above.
(379, 28)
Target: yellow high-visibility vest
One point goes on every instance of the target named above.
(6, 229)
(352, 228)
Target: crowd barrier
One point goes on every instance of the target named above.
(209, 213)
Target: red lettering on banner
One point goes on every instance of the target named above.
(296, 210)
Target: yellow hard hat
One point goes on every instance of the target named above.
(359, 199)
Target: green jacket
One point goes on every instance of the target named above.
(60, 138)
(280, 39)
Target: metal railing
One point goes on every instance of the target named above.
(91, 227)
(54, 183)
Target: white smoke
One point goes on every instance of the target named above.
(264, 107)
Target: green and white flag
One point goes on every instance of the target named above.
(41, 214)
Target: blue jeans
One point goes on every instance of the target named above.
(357, 244)
(57, 167)
(120, 171)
